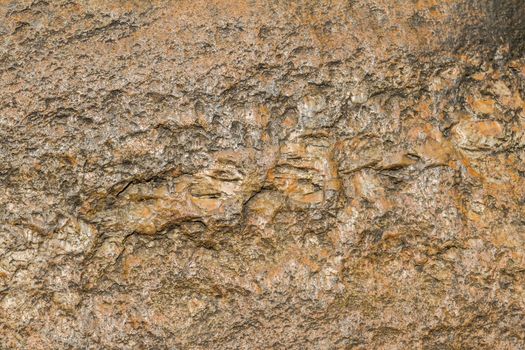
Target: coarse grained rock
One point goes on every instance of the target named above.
(257, 174)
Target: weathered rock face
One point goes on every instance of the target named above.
(262, 174)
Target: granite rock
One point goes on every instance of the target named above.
(255, 174)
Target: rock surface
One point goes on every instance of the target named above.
(262, 174)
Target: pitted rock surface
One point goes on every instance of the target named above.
(262, 174)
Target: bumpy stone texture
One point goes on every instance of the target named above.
(262, 174)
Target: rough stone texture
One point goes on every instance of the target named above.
(262, 174)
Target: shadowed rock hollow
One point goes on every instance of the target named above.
(262, 174)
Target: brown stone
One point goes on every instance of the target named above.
(214, 174)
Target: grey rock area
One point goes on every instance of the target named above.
(262, 174)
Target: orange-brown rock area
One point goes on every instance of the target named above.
(258, 174)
